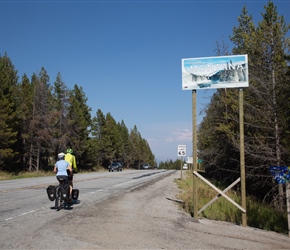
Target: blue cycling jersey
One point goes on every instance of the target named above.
(61, 165)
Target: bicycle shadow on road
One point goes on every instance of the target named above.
(67, 206)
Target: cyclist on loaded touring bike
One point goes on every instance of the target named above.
(63, 170)
(61, 167)
(63, 193)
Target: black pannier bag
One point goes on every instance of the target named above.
(65, 191)
(75, 194)
(50, 190)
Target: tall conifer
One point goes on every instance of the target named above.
(8, 118)
(79, 122)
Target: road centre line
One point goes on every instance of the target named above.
(33, 211)
(19, 215)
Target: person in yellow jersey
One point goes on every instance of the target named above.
(71, 159)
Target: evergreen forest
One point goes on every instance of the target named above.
(266, 110)
(38, 120)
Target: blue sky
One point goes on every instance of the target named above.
(126, 55)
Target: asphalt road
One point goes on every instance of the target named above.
(119, 210)
(23, 196)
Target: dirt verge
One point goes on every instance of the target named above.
(150, 218)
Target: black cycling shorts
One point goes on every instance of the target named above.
(58, 177)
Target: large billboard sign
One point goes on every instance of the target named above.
(215, 72)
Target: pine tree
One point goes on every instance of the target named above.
(8, 118)
(146, 155)
(96, 148)
(126, 147)
(271, 72)
(111, 139)
(40, 130)
(79, 122)
(243, 35)
(59, 115)
(25, 106)
(136, 153)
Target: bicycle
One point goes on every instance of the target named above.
(60, 194)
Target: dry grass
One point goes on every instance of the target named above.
(258, 215)
(11, 176)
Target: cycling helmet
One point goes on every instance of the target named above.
(61, 155)
(69, 150)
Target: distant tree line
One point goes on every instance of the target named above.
(38, 120)
(266, 110)
(170, 164)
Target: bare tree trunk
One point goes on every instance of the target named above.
(38, 158)
(30, 158)
(277, 141)
(23, 156)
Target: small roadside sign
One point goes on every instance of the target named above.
(181, 150)
(190, 160)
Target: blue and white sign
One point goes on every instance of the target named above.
(281, 174)
(215, 72)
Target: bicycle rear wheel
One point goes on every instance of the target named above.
(58, 199)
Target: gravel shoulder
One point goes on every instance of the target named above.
(149, 217)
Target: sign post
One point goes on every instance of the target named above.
(194, 154)
(212, 73)
(181, 151)
(288, 205)
(242, 156)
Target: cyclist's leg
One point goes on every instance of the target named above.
(70, 179)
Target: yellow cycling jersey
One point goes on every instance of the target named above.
(71, 159)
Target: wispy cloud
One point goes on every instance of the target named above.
(164, 138)
(183, 135)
